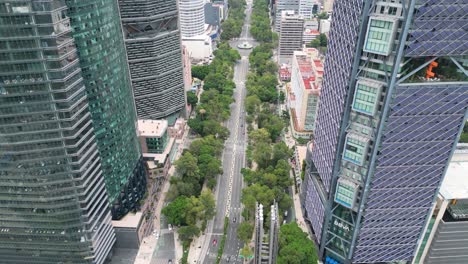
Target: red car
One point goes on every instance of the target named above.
(215, 242)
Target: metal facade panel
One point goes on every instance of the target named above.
(314, 208)
(152, 39)
(420, 132)
(341, 46)
(439, 29)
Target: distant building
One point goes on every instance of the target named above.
(282, 5)
(192, 17)
(258, 233)
(291, 32)
(213, 14)
(304, 92)
(274, 233)
(324, 26)
(446, 233)
(309, 35)
(199, 48)
(285, 72)
(306, 8)
(328, 5)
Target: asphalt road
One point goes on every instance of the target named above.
(230, 184)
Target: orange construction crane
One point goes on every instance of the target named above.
(429, 72)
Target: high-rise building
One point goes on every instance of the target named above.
(306, 8)
(291, 33)
(98, 36)
(393, 102)
(282, 5)
(328, 5)
(53, 206)
(192, 17)
(152, 39)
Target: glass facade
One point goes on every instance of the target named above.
(152, 39)
(379, 36)
(386, 127)
(366, 98)
(98, 36)
(53, 204)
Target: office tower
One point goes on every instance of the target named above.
(53, 206)
(305, 8)
(98, 38)
(192, 17)
(152, 39)
(393, 101)
(282, 5)
(290, 38)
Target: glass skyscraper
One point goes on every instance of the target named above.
(98, 36)
(393, 103)
(53, 203)
(152, 38)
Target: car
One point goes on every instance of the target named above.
(234, 220)
(169, 261)
(170, 227)
(215, 242)
(228, 258)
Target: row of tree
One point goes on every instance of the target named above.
(189, 206)
(215, 101)
(232, 27)
(260, 21)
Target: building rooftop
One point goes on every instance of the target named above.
(455, 184)
(130, 220)
(152, 128)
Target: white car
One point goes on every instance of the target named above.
(170, 227)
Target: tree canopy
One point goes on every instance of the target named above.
(294, 246)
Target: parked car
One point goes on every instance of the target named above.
(170, 227)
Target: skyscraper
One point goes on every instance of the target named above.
(282, 5)
(98, 36)
(152, 38)
(290, 37)
(53, 204)
(393, 102)
(192, 17)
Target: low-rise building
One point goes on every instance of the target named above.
(285, 72)
(304, 92)
(446, 237)
(309, 35)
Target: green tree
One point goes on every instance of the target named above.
(259, 136)
(323, 15)
(295, 246)
(192, 99)
(251, 104)
(244, 232)
(209, 205)
(187, 233)
(200, 71)
(323, 40)
(176, 210)
(464, 135)
(187, 165)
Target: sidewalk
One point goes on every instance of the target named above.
(149, 243)
(298, 210)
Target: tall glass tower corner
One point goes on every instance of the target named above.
(393, 104)
(53, 203)
(152, 38)
(98, 36)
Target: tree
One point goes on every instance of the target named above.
(176, 210)
(244, 232)
(295, 246)
(464, 135)
(200, 72)
(259, 136)
(315, 43)
(186, 233)
(246, 252)
(209, 205)
(192, 99)
(323, 40)
(262, 155)
(186, 165)
(323, 15)
(251, 104)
